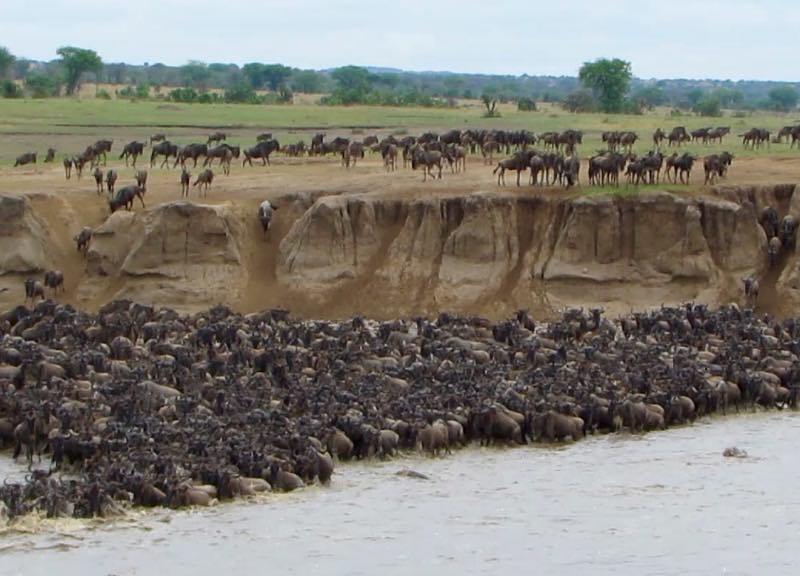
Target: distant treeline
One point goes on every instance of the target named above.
(259, 83)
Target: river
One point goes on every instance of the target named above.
(664, 503)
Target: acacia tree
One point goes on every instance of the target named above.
(6, 60)
(783, 98)
(608, 80)
(76, 62)
(195, 74)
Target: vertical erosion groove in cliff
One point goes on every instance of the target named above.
(485, 253)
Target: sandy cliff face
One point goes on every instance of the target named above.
(180, 253)
(482, 253)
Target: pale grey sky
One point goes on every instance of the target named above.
(724, 39)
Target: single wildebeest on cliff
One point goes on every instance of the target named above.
(82, 239)
(98, 179)
(141, 179)
(125, 197)
(33, 289)
(186, 179)
(54, 279)
(265, 211)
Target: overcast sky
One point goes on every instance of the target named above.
(724, 39)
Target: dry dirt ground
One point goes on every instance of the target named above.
(286, 180)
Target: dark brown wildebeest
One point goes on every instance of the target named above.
(82, 239)
(636, 171)
(519, 162)
(204, 179)
(98, 179)
(653, 162)
(50, 156)
(264, 136)
(29, 434)
(755, 137)
(712, 165)
(658, 137)
(295, 149)
(701, 134)
(125, 197)
(605, 168)
(751, 289)
(351, 154)
(627, 140)
(788, 231)
(27, 158)
(389, 155)
(316, 143)
(33, 289)
(68, 167)
(682, 166)
(678, 136)
(101, 148)
(774, 251)
(166, 149)
(488, 150)
(261, 150)
(718, 133)
(193, 151)
(456, 156)
(769, 221)
(160, 137)
(426, 159)
(369, 141)
(133, 150)
(86, 157)
(186, 178)
(54, 279)
(265, 211)
(221, 152)
(141, 179)
(216, 137)
(111, 181)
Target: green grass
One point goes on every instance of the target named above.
(70, 124)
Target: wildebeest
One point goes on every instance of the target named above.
(681, 167)
(217, 137)
(98, 179)
(264, 136)
(352, 153)
(389, 155)
(193, 151)
(519, 162)
(83, 238)
(133, 150)
(658, 137)
(166, 149)
(788, 231)
(27, 158)
(186, 177)
(160, 137)
(101, 148)
(54, 279)
(111, 180)
(67, 167)
(769, 221)
(678, 136)
(125, 197)
(141, 179)
(204, 179)
(428, 160)
(33, 289)
(774, 251)
(50, 156)
(261, 150)
(265, 211)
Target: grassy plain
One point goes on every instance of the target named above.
(70, 124)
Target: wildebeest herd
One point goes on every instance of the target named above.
(555, 162)
(146, 407)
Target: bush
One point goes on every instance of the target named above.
(41, 86)
(526, 105)
(579, 101)
(102, 94)
(9, 89)
(241, 94)
(186, 95)
(708, 106)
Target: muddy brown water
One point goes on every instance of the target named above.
(665, 503)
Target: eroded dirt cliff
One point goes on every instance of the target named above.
(479, 253)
